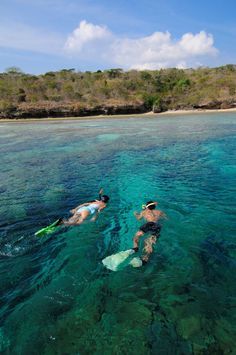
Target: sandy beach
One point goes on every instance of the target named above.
(183, 112)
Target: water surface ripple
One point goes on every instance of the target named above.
(57, 298)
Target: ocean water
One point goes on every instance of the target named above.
(56, 296)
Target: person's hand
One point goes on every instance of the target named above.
(163, 215)
(101, 191)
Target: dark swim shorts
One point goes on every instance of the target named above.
(152, 227)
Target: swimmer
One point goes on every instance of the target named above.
(151, 216)
(86, 210)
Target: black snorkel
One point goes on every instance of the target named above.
(103, 198)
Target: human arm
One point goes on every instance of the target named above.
(138, 215)
(98, 211)
(102, 207)
(163, 215)
(100, 194)
(95, 217)
(136, 238)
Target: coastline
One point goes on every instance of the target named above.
(137, 115)
(194, 111)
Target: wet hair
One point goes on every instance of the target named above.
(105, 198)
(152, 205)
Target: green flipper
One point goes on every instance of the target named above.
(49, 229)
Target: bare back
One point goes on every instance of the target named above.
(151, 215)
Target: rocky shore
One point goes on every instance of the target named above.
(69, 110)
(56, 110)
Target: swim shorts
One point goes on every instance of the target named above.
(152, 227)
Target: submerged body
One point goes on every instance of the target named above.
(86, 210)
(79, 214)
(151, 217)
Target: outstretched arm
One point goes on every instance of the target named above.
(138, 215)
(100, 194)
(163, 215)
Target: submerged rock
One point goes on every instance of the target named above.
(189, 326)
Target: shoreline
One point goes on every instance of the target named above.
(137, 115)
(186, 112)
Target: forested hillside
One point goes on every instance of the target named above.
(73, 93)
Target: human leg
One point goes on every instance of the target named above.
(77, 218)
(136, 239)
(148, 248)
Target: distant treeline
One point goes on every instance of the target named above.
(72, 93)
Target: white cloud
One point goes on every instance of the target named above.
(84, 34)
(199, 44)
(159, 50)
(97, 45)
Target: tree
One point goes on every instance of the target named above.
(21, 96)
(114, 73)
(14, 71)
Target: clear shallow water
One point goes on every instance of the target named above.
(56, 297)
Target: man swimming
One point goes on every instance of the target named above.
(86, 210)
(151, 216)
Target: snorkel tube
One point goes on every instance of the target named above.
(103, 198)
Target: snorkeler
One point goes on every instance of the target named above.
(80, 214)
(151, 216)
(86, 210)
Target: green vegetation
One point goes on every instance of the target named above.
(72, 93)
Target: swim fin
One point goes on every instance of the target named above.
(136, 262)
(49, 229)
(113, 261)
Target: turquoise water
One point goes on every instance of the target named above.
(56, 296)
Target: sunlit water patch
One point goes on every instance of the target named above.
(56, 296)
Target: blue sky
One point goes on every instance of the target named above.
(46, 35)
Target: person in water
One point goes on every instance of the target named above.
(87, 210)
(151, 216)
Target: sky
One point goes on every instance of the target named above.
(38, 36)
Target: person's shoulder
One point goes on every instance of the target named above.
(158, 212)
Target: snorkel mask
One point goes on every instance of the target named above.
(149, 204)
(105, 198)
